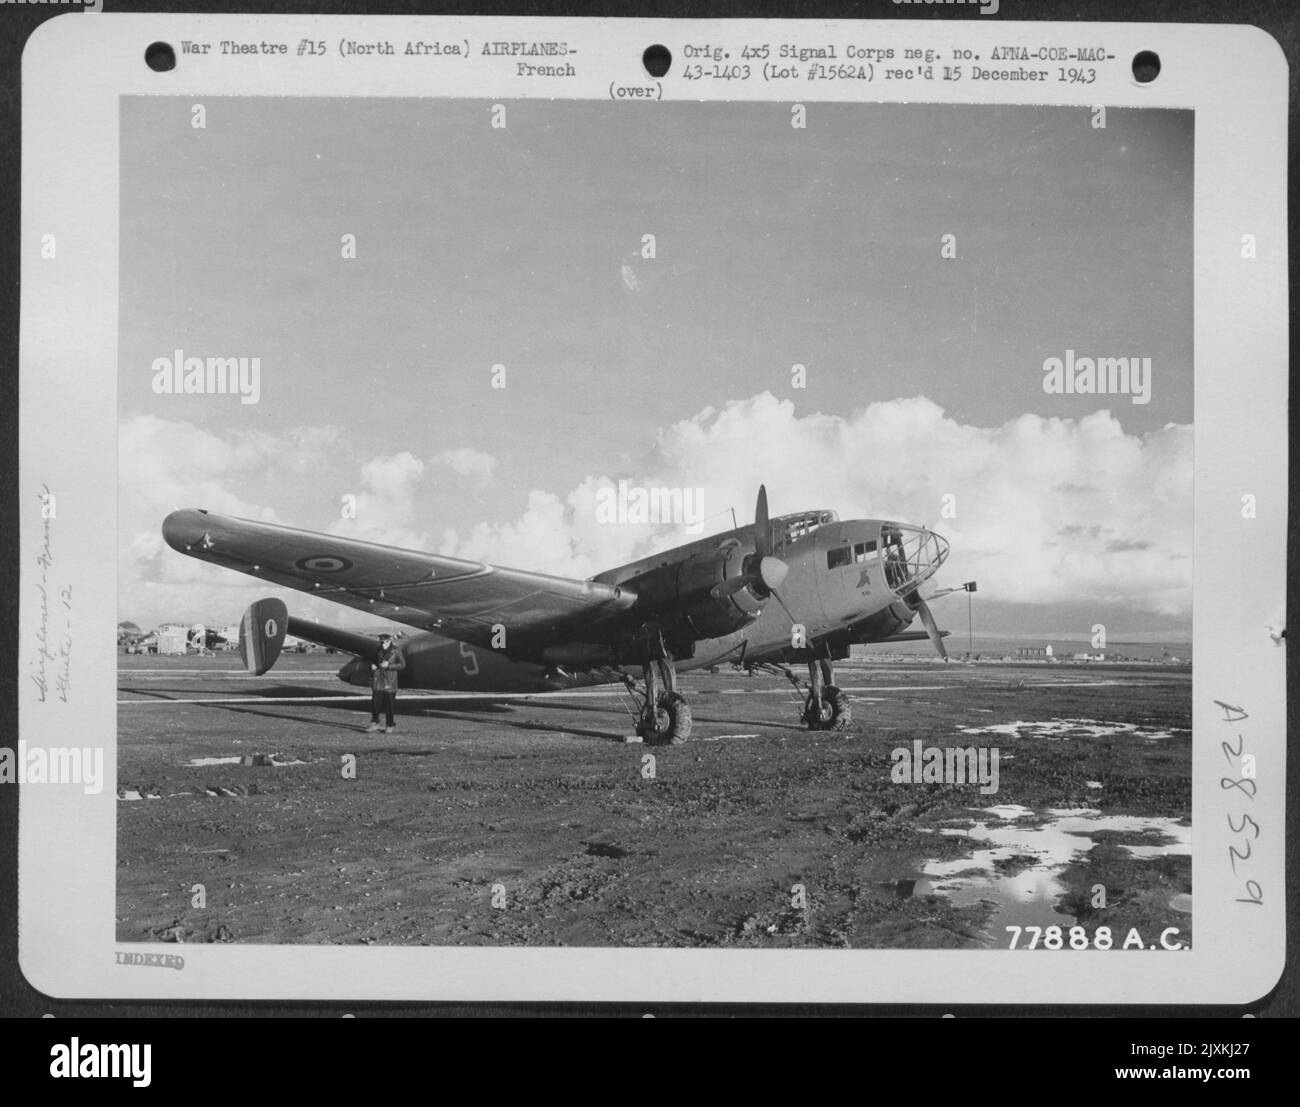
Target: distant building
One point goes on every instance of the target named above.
(1034, 653)
(173, 638)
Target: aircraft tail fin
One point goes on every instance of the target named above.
(261, 634)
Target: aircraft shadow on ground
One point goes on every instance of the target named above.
(696, 716)
(280, 716)
(769, 724)
(531, 725)
(447, 707)
(154, 692)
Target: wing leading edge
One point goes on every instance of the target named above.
(455, 598)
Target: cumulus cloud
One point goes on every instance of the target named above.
(1039, 510)
(464, 462)
(383, 507)
(165, 464)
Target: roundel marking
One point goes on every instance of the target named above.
(323, 563)
(270, 628)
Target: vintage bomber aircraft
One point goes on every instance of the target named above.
(488, 629)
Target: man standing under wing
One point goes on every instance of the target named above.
(383, 683)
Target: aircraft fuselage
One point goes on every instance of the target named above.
(847, 582)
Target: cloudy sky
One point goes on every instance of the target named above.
(522, 247)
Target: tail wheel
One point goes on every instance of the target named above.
(836, 712)
(671, 723)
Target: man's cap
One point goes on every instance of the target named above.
(385, 635)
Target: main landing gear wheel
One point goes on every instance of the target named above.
(665, 715)
(670, 722)
(833, 713)
(825, 707)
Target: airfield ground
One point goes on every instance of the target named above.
(542, 806)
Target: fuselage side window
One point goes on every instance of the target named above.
(838, 558)
(862, 551)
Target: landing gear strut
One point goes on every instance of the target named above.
(665, 716)
(825, 707)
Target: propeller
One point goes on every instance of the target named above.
(762, 573)
(931, 627)
(771, 571)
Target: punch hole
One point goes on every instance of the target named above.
(1146, 66)
(657, 60)
(160, 57)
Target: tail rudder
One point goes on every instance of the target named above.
(261, 634)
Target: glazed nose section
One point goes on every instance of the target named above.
(939, 546)
(911, 554)
(924, 551)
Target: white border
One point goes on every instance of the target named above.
(74, 70)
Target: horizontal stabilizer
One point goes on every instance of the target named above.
(261, 634)
(363, 645)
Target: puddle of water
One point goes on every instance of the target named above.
(204, 762)
(1030, 896)
(1006, 811)
(1057, 730)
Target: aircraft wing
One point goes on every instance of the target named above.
(455, 598)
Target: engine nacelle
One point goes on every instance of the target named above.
(706, 596)
(885, 623)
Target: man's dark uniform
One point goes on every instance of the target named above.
(383, 683)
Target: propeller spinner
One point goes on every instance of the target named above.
(761, 573)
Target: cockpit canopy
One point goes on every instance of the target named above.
(790, 528)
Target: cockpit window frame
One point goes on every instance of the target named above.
(839, 557)
(792, 528)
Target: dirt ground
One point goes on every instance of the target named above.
(536, 823)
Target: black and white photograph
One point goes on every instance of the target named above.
(563, 524)
(614, 511)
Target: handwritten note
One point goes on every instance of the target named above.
(1242, 788)
(53, 657)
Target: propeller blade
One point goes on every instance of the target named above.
(931, 627)
(788, 612)
(762, 527)
(731, 586)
